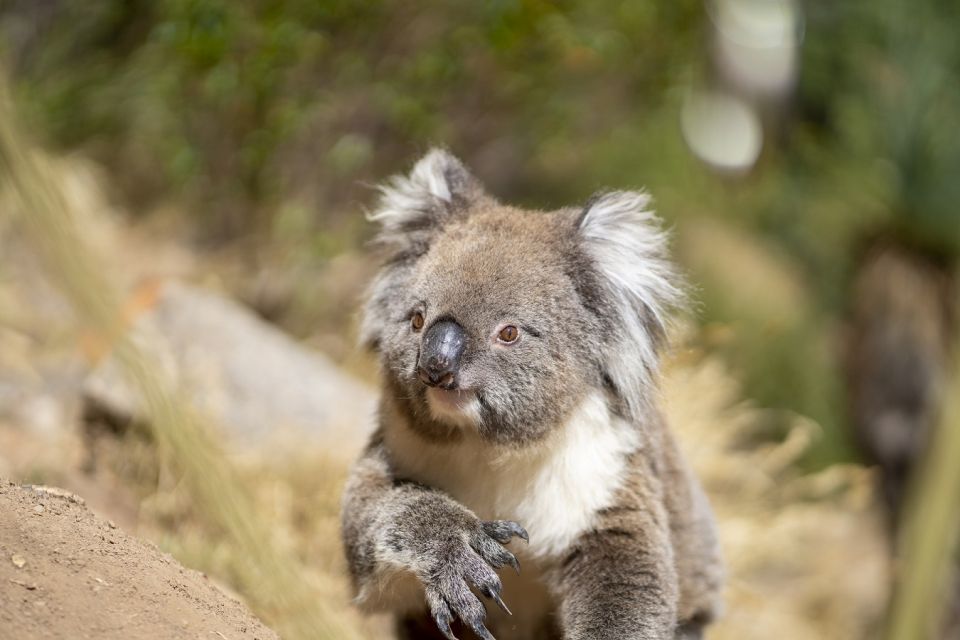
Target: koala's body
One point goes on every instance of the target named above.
(519, 355)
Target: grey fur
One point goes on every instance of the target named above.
(590, 289)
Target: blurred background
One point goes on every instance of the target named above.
(217, 158)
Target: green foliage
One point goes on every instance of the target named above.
(236, 103)
(888, 102)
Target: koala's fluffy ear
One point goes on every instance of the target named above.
(412, 207)
(625, 241)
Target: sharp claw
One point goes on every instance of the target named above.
(482, 632)
(513, 562)
(444, 625)
(441, 613)
(493, 595)
(503, 530)
(521, 532)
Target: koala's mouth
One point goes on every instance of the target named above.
(459, 407)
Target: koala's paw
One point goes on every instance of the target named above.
(469, 558)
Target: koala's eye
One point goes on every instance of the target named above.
(416, 322)
(508, 334)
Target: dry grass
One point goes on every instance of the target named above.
(929, 539)
(806, 554)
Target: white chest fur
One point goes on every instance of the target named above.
(553, 489)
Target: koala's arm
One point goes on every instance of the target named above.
(391, 526)
(619, 580)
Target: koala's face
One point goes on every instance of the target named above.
(500, 320)
(488, 330)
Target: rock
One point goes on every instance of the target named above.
(56, 492)
(254, 382)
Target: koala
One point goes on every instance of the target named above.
(519, 353)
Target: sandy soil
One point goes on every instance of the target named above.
(66, 573)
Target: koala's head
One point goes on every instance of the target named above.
(492, 318)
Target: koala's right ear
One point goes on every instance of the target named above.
(412, 207)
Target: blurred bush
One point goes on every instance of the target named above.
(239, 102)
(268, 121)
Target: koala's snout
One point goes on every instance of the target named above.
(440, 353)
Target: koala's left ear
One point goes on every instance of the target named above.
(624, 239)
(411, 207)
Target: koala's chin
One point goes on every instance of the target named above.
(456, 407)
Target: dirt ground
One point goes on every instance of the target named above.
(67, 573)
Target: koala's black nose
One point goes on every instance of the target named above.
(440, 353)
